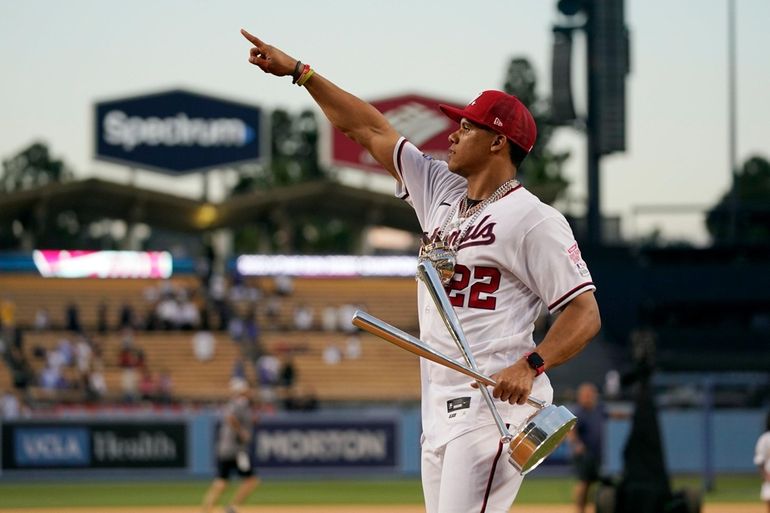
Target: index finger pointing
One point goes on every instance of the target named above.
(254, 39)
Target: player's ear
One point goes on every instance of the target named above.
(498, 143)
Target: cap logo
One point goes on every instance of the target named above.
(498, 122)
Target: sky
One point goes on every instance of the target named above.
(58, 58)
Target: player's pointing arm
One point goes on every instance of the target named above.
(353, 116)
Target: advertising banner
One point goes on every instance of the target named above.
(177, 131)
(94, 445)
(103, 264)
(415, 117)
(328, 444)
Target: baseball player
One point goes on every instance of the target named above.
(233, 454)
(762, 461)
(507, 253)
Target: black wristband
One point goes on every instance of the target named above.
(297, 72)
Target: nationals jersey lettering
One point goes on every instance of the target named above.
(478, 235)
(519, 255)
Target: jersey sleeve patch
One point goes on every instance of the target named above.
(574, 255)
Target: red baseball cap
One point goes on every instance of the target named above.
(501, 112)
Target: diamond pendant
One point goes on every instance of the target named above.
(442, 258)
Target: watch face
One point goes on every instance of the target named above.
(535, 361)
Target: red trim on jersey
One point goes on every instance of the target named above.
(400, 166)
(492, 475)
(557, 304)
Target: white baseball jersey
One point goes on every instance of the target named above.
(520, 254)
(762, 459)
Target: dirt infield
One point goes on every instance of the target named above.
(524, 508)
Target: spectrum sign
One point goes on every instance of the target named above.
(177, 132)
(55, 263)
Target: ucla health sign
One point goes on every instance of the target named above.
(94, 445)
(177, 131)
(51, 447)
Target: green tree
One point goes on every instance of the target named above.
(752, 217)
(542, 171)
(32, 167)
(293, 159)
(293, 154)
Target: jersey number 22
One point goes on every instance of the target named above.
(486, 281)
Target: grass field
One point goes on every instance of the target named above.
(729, 489)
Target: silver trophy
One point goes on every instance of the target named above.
(538, 436)
(441, 257)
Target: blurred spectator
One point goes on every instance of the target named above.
(66, 352)
(268, 367)
(168, 312)
(303, 317)
(242, 293)
(204, 345)
(102, 324)
(17, 338)
(10, 406)
(7, 312)
(126, 318)
(612, 386)
(72, 317)
(284, 285)
(189, 316)
(51, 379)
(217, 295)
(288, 373)
(300, 399)
(329, 318)
(165, 387)
(97, 384)
(345, 317)
(239, 369)
(586, 442)
(147, 385)
(273, 312)
(42, 319)
(21, 372)
(235, 329)
(332, 354)
(54, 358)
(129, 384)
(131, 361)
(353, 347)
(83, 354)
(251, 343)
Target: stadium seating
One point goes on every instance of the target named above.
(31, 292)
(381, 372)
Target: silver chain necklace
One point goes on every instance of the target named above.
(443, 255)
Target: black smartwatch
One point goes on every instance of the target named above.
(536, 362)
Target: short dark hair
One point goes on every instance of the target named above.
(517, 154)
